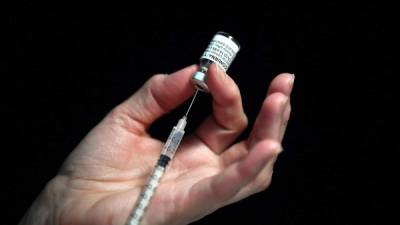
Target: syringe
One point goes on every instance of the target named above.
(168, 152)
(222, 44)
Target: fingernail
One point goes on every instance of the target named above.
(220, 72)
(291, 81)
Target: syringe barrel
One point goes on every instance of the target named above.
(173, 142)
(146, 196)
(168, 152)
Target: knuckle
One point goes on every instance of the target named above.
(157, 77)
(243, 122)
(232, 98)
(121, 117)
(229, 97)
(117, 112)
(263, 182)
(275, 153)
(287, 113)
(154, 81)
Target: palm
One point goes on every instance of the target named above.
(112, 196)
(103, 177)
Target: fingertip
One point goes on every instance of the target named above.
(176, 85)
(185, 71)
(181, 76)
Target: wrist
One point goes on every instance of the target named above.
(43, 210)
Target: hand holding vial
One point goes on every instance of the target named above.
(102, 179)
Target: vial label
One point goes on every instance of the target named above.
(221, 50)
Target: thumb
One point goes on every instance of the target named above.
(159, 95)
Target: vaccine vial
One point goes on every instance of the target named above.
(221, 50)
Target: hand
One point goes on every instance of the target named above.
(102, 178)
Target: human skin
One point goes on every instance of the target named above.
(102, 178)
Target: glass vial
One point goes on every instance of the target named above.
(221, 50)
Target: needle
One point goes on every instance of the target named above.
(191, 103)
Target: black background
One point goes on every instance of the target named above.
(70, 64)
